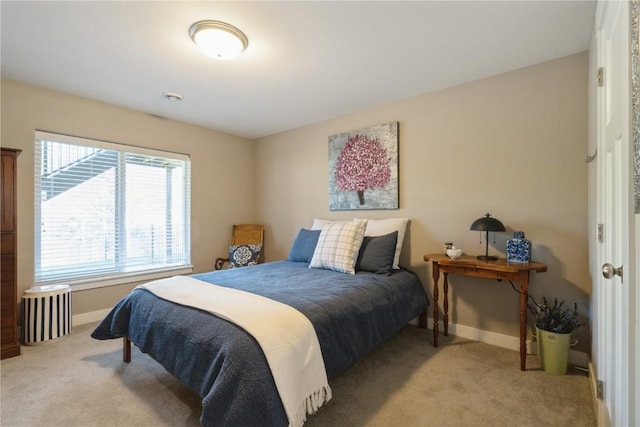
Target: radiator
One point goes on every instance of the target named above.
(46, 313)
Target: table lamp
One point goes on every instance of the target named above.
(487, 224)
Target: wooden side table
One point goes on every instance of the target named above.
(471, 266)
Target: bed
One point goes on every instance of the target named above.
(350, 313)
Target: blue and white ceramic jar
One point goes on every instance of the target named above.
(518, 248)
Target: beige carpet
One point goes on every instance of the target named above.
(78, 381)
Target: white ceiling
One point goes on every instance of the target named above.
(306, 61)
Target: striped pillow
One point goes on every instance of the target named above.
(338, 246)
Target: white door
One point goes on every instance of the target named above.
(614, 302)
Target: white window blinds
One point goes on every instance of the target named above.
(104, 210)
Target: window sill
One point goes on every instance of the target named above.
(121, 279)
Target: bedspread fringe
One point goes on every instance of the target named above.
(311, 405)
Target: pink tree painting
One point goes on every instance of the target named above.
(363, 164)
(363, 168)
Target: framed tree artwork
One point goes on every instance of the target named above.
(363, 169)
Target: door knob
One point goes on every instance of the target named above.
(608, 271)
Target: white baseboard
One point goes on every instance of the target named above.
(505, 341)
(577, 358)
(90, 317)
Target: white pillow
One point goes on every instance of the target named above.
(318, 223)
(380, 227)
(338, 246)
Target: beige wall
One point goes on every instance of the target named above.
(512, 145)
(215, 157)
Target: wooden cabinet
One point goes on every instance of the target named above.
(9, 345)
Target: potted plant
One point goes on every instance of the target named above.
(554, 325)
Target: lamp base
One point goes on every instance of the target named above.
(487, 257)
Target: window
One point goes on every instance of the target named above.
(105, 211)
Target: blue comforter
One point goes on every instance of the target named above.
(221, 362)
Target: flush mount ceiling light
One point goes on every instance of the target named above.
(218, 39)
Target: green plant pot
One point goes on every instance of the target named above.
(553, 351)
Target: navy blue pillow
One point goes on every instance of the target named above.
(377, 253)
(304, 246)
(244, 255)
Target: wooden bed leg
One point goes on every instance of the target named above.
(423, 319)
(126, 349)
